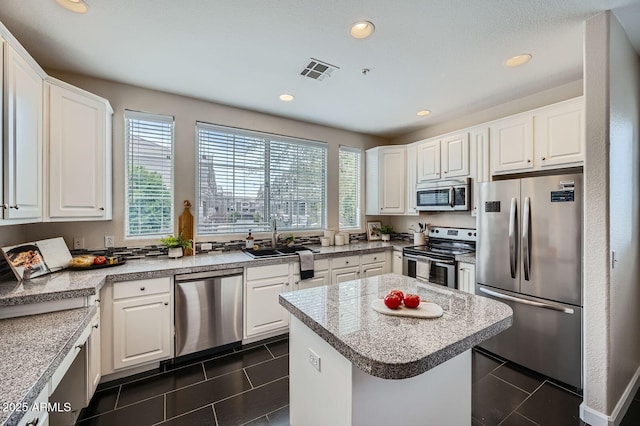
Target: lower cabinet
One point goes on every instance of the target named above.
(136, 324)
(262, 310)
(93, 358)
(349, 273)
(467, 277)
(321, 275)
(373, 264)
(396, 266)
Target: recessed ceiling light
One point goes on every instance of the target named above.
(286, 97)
(518, 60)
(423, 112)
(362, 29)
(78, 6)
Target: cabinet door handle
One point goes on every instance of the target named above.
(142, 288)
(5, 206)
(544, 158)
(33, 422)
(79, 346)
(17, 207)
(528, 161)
(166, 303)
(95, 326)
(346, 263)
(286, 283)
(102, 208)
(375, 258)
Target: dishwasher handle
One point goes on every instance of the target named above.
(198, 276)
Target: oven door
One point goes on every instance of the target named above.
(434, 271)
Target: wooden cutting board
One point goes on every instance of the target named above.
(185, 227)
(424, 310)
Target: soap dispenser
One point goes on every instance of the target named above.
(249, 240)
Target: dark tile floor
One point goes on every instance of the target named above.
(250, 386)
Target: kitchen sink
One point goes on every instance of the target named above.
(281, 251)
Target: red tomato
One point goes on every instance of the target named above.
(398, 293)
(392, 301)
(411, 300)
(99, 260)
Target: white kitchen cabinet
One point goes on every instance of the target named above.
(412, 176)
(385, 180)
(22, 121)
(321, 275)
(443, 157)
(455, 155)
(511, 141)
(373, 264)
(78, 144)
(559, 134)
(136, 323)
(467, 277)
(262, 310)
(480, 164)
(551, 137)
(349, 273)
(93, 368)
(397, 262)
(428, 157)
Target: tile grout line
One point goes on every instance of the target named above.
(247, 376)
(517, 387)
(118, 397)
(215, 415)
(204, 370)
(525, 400)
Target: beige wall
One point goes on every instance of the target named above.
(186, 112)
(612, 184)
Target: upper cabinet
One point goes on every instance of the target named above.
(479, 169)
(78, 144)
(444, 157)
(22, 150)
(386, 180)
(412, 174)
(546, 138)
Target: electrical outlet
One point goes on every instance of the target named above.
(78, 242)
(314, 359)
(109, 241)
(206, 246)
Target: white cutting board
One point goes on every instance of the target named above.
(424, 310)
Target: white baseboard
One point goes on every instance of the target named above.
(596, 418)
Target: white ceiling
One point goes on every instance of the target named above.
(443, 55)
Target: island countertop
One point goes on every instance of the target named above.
(392, 347)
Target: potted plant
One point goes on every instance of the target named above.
(385, 231)
(288, 240)
(175, 245)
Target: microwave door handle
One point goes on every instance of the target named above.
(526, 238)
(452, 197)
(513, 247)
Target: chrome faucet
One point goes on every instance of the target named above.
(274, 233)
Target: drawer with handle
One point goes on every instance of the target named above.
(341, 262)
(127, 289)
(372, 258)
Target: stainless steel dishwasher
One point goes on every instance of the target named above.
(208, 310)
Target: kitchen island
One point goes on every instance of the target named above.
(352, 365)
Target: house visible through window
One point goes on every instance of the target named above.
(149, 174)
(349, 187)
(246, 179)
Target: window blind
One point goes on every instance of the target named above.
(149, 174)
(349, 187)
(246, 179)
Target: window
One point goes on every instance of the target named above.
(149, 174)
(246, 179)
(349, 187)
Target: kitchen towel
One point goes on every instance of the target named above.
(306, 264)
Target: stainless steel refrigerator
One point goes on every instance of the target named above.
(529, 256)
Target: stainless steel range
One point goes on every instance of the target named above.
(435, 261)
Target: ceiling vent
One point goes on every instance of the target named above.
(318, 70)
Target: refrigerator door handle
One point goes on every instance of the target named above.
(527, 302)
(513, 247)
(526, 245)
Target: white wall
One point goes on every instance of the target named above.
(186, 112)
(612, 219)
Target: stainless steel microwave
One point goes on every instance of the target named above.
(443, 195)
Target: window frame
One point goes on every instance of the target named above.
(268, 137)
(158, 118)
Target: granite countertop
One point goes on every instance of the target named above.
(467, 258)
(31, 348)
(72, 284)
(392, 347)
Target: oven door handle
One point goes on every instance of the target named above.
(430, 259)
